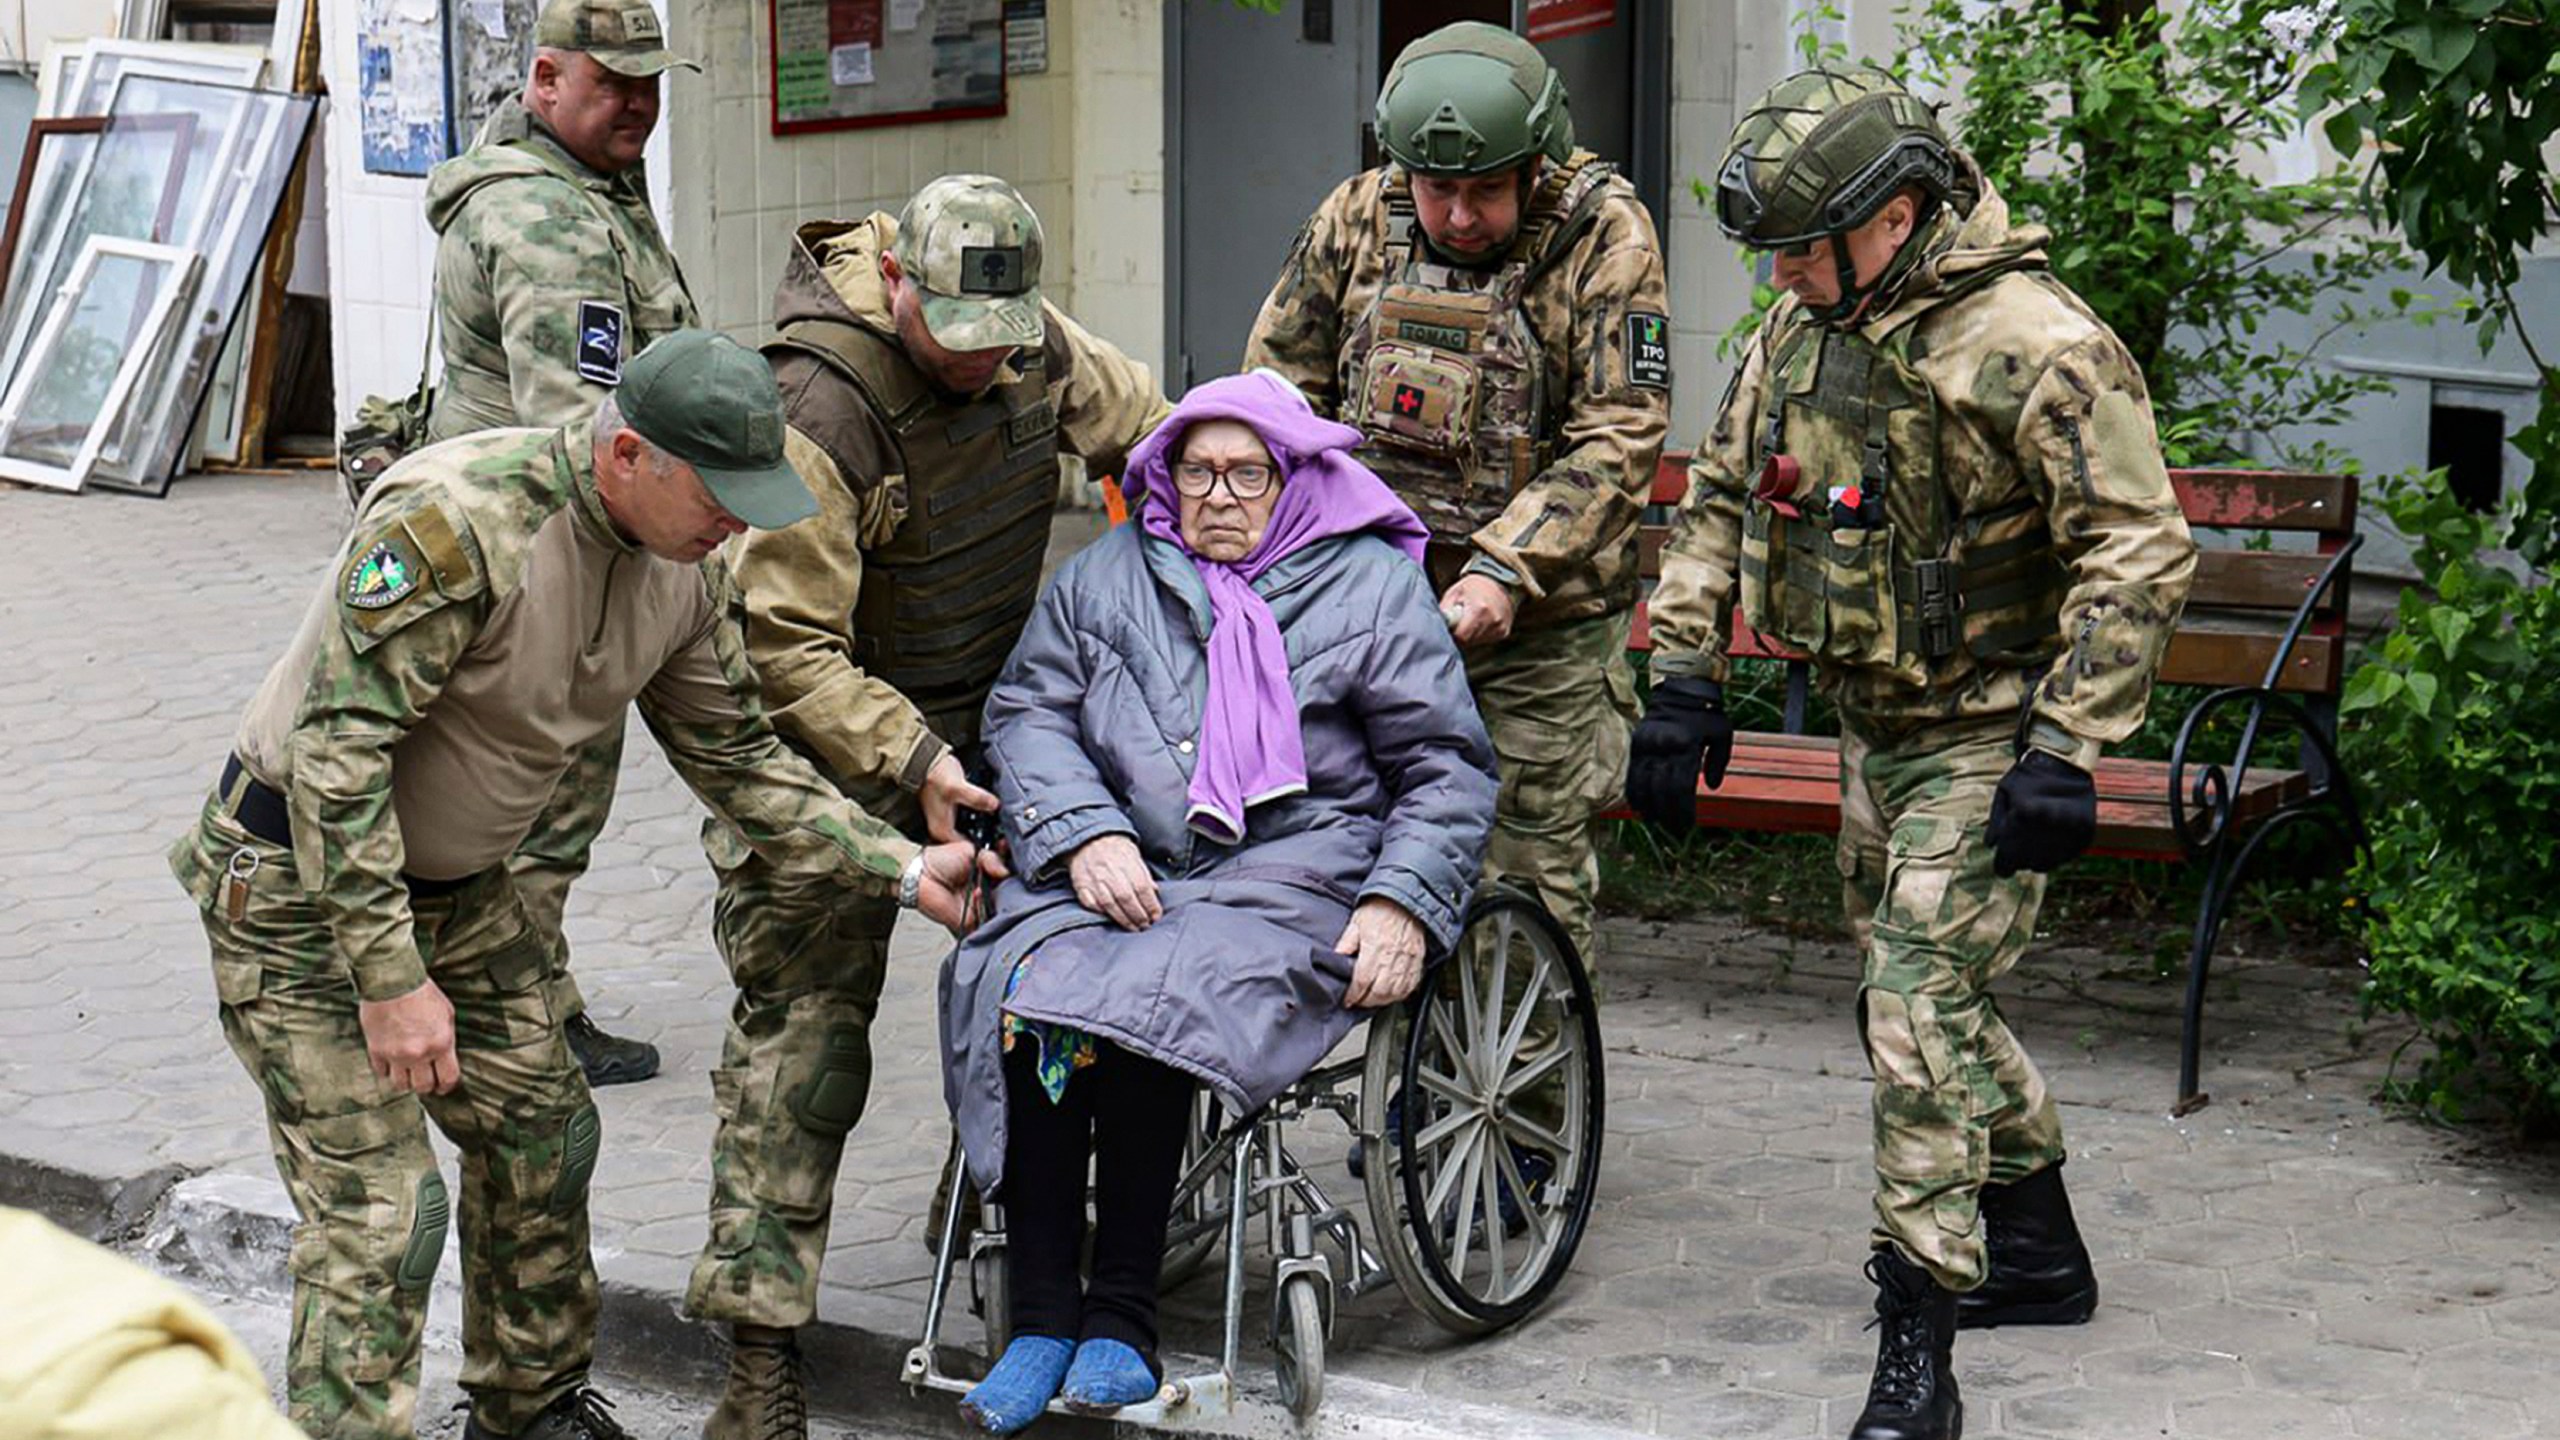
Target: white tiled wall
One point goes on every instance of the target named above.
(738, 190)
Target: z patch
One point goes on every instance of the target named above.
(382, 576)
(599, 342)
(1649, 350)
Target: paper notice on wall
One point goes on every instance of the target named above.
(489, 15)
(1026, 37)
(850, 64)
(903, 14)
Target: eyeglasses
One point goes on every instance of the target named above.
(1245, 482)
(1801, 250)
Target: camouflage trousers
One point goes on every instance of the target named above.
(808, 955)
(354, 1153)
(1560, 705)
(555, 852)
(1958, 1104)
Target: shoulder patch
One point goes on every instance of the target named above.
(384, 575)
(1648, 350)
(599, 356)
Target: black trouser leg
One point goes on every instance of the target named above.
(1142, 1109)
(1045, 1150)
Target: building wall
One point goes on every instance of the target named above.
(730, 193)
(381, 254)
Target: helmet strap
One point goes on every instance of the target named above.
(1845, 270)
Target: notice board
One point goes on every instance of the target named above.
(840, 64)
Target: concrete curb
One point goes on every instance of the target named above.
(231, 1232)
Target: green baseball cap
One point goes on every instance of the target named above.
(711, 402)
(624, 36)
(973, 243)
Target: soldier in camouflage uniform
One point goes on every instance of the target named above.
(504, 598)
(1937, 475)
(930, 391)
(1489, 309)
(550, 273)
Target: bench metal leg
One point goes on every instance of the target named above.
(2199, 965)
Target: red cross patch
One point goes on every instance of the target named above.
(1408, 401)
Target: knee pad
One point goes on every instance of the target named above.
(427, 1220)
(579, 1140)
(831, 1101)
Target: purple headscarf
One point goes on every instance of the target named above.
(1250, 749)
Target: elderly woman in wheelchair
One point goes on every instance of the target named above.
(1245, 790)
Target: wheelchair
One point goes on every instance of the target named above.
(1476, 1106)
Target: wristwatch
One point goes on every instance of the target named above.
(911, 883)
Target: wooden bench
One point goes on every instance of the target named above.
(2265, 627)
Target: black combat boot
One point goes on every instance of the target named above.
(582, 1414)
(765, 1398)
(1913, 1395)
(609, 1059)
(2039, 1269)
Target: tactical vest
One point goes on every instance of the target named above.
(1852, 549)
(944, 600)
(1445, 373)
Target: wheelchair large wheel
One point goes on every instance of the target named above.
(1484, 1093)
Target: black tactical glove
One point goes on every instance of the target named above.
(1684, 733)
(2043, 815)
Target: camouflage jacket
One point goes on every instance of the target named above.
(549, 276)
(1565, 544)
(802, 584)
(2046, 465)
(484, 621)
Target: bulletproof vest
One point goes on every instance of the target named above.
(944, 600)
(1852, 547)
(1444, 371)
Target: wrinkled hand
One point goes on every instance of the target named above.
(1684, 734)
(949, 894)
(1111, 879)
(2043, 815)
(1478, 611)
(1387, 945)
(409, 1039)
(947, 790)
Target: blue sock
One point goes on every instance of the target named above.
(1019, 1388)
(1108, 1374)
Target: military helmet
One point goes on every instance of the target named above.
(1472, 99)
(1823, 151)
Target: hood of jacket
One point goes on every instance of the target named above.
(506, 150)
(1960, 252)
(833, 273)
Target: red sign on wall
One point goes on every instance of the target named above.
(1555, 19)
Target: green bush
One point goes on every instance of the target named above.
(2454, 738)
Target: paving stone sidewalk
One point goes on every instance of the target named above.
(2288, 1261)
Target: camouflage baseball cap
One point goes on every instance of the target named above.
(624, 36)
(711, 402)
(974, 245)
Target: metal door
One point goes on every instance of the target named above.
(1266, 113)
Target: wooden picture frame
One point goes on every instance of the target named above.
(818, 53)
(29, 161)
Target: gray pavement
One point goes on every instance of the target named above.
(2289, 1261)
